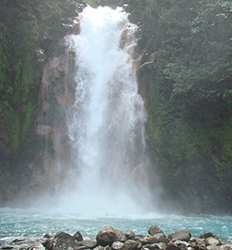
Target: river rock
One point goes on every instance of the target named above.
(90, 244)
(48, 244)
(162, 245)
(212, 241)
(154, 230)
(156, 246)
(183, 235)
(207, 235)
(36, 247)
(160, 237)
(198, 243)
(63, 241)
(172, 247)
(78, 236)
(226, 247)
(139, 237)
(108, 235)
(130, 235)
(117, 245)
(213, 247)
(132, 245)
(47, 236)
(99, 248)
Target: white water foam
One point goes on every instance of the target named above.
(107, 121)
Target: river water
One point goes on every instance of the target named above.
(17, 223)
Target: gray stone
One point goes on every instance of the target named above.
(63, 241)
(207, 235)
(99, 248)
(213, 247)
(198, 243)
(132, 245)
(78, 236)
(160, 237)
(130, 235)
(89, 243)
(154, 230)
(226, 247)
(117, 245)
(173, 247)
(155, 246)
(183, 235)
(212, 241)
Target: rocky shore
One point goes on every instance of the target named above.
(110, 238)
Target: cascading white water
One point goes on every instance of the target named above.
(107, 120)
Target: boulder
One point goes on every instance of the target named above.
(212, 241)
(173, 247)
(47, 236)
(139, 237)
(132, 245)
(160, 237)
(213, 247)
(7, 247)
(181, 243)
(183, 235)
(117, 245)
(198, 243)
(207, 235)
(63, 241)
(78, 236)
(90, 244)
(154, 230)
(99, 248)
(108, 235)
(156, 246)
(161, 245)
(130, 235)
(48, 244)
(226, 247)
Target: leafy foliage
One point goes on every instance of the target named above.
(186, 74)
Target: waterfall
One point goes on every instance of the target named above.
(106, 123)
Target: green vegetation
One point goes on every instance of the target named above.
(186, 77)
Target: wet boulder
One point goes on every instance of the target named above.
(171, 246)
(183, 235)
(198, 243)
(109, 235)
(130, 235)
(213, 247)
(212, 241)
(132, 245)
(78, 236)
(150, 239)
(154, 230)
(207, 235)
(90, 244)
(156, 246)
(62, 241)
(117, 245)
(226, 247)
